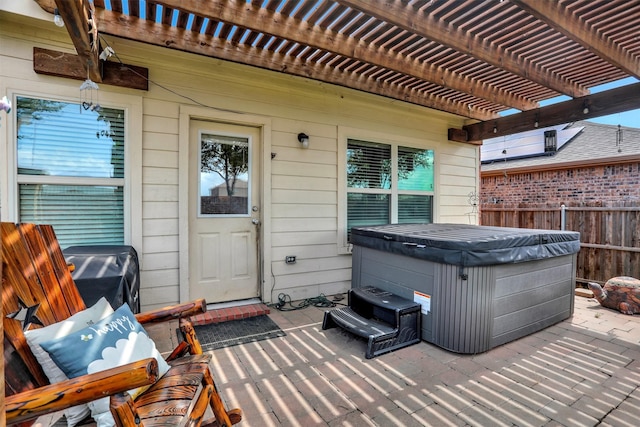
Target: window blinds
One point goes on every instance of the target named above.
(71, 167)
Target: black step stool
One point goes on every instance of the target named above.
(388, 321)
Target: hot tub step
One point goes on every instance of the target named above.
(351, 321)
(387, 321)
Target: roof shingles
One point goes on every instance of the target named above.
(595, 142)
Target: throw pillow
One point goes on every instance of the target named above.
(116, 340)
(80, 320)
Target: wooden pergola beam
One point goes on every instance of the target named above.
(256, 18)
(404, 16)
(165, 36)
(556, 16)
(80, 22)
(60, 64)
(613, 101)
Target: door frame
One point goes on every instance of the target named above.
(263, 157)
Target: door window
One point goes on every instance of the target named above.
(224, 175)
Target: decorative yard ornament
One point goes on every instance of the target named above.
(474, 200)
(619, 293)
(87, 89)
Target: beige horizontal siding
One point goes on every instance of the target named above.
(303, 201)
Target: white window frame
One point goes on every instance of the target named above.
(344, 135)
(132, 183)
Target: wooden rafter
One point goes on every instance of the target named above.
(124, 26)
(81, 25)
(469, 58)
(403, 16)
(613, 101)
(568, 24)
(276, 24)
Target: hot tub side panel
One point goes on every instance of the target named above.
(397, 274)
(459, 314)
(531, 296)
(494, 305)
(463, 308)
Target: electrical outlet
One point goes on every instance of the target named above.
(290, 259)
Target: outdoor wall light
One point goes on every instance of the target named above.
(303, 139)
(585, 107)
(57, 19)
(550, 141)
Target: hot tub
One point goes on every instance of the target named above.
(479, 286)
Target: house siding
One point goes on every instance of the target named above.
(302, 204)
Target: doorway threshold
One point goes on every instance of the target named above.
(231, 310)
(237, 303)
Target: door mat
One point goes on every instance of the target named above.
(226, 334)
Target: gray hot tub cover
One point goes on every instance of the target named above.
(467, 245)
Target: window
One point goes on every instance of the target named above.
(224, 175)
(388, 184)
(71, 170)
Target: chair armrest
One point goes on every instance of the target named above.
(173, 312)
(56, 397)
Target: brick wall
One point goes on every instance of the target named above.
(605, 185)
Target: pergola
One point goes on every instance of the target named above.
(467, 57)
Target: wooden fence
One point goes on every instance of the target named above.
(609, 236)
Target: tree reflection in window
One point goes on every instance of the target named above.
(368, 165)
(224, 166)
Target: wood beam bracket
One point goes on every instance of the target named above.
(60, 64)
(458, 135)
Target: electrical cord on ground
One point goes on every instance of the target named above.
(319, 301)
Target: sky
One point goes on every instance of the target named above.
(627, 118)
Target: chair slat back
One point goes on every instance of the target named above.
(37, 273)
(34, 273)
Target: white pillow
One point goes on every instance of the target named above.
(80, 320)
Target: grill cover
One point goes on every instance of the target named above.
(467, 245)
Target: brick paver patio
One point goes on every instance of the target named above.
(584, 371)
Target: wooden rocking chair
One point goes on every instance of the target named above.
(35, 274)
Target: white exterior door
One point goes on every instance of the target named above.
(224, 211)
